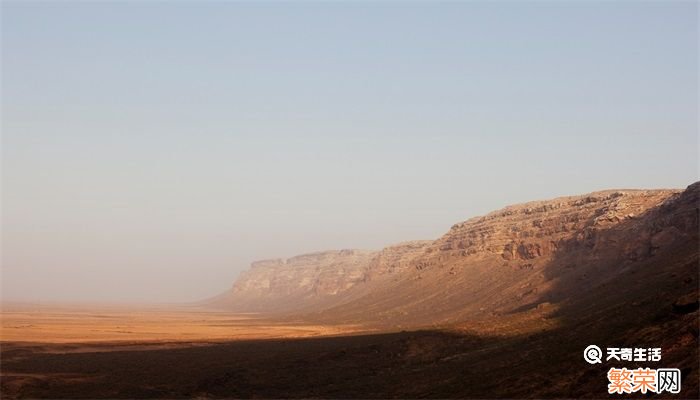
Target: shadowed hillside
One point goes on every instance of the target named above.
(539, 256)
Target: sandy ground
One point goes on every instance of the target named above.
(140, 352)
(91, 324)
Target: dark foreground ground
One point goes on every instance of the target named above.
(435, 364)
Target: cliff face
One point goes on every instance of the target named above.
(532, 256)
(526, 236)
(395, 259)
(570, 251)
(298, 282)
(314, 281)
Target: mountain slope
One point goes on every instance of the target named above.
(553, 257)
(301, 282)
(538, 254)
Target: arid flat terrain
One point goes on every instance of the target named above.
(120, 324)
(267, 359)
(30, 332)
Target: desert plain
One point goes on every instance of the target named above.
(31, 332)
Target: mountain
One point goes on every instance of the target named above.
(302, 282)
(547, 258)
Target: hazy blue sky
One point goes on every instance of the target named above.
(151, 150)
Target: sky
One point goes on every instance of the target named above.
(152, 150)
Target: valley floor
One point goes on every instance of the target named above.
(185, 353)
(122, 324)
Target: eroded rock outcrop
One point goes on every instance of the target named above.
(395, 259)
(560, 251)
(299, 282)
(531, 233)
(569, 250)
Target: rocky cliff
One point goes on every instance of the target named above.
(317, 280)
(297, 283)
(395, 259)
(534, 256)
